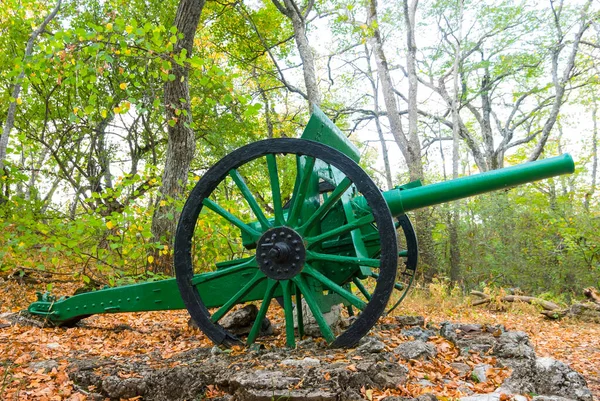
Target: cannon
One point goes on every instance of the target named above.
(318, 232)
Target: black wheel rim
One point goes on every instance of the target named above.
(363, 183)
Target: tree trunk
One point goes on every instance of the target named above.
(12, 107)
(297, 15)
(384, 151)
(560, 83)
(590, 194)
(455, 269)
(181, 139)
(387, 86)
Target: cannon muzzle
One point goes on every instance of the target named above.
(402, 200)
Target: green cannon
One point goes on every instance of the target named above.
(296, 221)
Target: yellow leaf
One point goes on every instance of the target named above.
(128, 29)
(109, 26)
(75, 110)
(21, 244)
(109, 225)
(19, 100)
(150, 259)
(163, 203)
(103, 113)
(123, 85)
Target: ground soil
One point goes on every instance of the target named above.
(159, 336)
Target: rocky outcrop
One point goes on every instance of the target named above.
(316, 373)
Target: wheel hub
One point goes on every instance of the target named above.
(280, 253)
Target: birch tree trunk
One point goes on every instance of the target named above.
(592, 190)
(560, 82)
(16, 92)
(297, 15)
(455, 269)
(181, 138)
(384, 151)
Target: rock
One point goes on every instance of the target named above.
(47, 365)
(53, 345)
(240, 321)
(415, 350)
(370, 345)
(350, 395)
(550, 398)
(425, 383)
(418, 333)
(482, 397)
(390, 375)
(557, 378)
(115, 387)
(311, 328)
(263, 379)
(410, 320)
(427, 397)
(479, 373)
(548, 377)
(304, 363)
(250, 394)
(514, 350)
(471, 337)
(462, 368)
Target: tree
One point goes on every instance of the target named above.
(182, 140)
(297, 14)
(12, 108)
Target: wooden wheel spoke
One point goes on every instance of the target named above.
(300, 190)
(333, 286)
(326, 205)
(259, 276)
(231, 218)
(243, 187)
(262, 312)
(314, 308)
(243, 265)
(317, 239)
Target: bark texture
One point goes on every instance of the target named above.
(181, 138)
(12, 107)
(297, 14)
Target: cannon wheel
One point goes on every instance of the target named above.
(295, 279)
(409, 255)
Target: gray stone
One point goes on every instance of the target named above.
(550, 398)
(115, 387)
(263, 379)
(425, 383)
(304, 363)
(482, 397)
(479, 373)
(427, 397)
(410, 320)
(240, 321)
(371, 345)
(513, 345)
(415, 350)
(47, 365)
(462, 368)
(418, 333)
(548, 377)
(311, 328)
(390, 375)
(251, 394)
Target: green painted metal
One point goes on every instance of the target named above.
(404, 200)
(336, 225)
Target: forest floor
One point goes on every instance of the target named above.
(120, 336)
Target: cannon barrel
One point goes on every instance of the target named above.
(401, 200)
